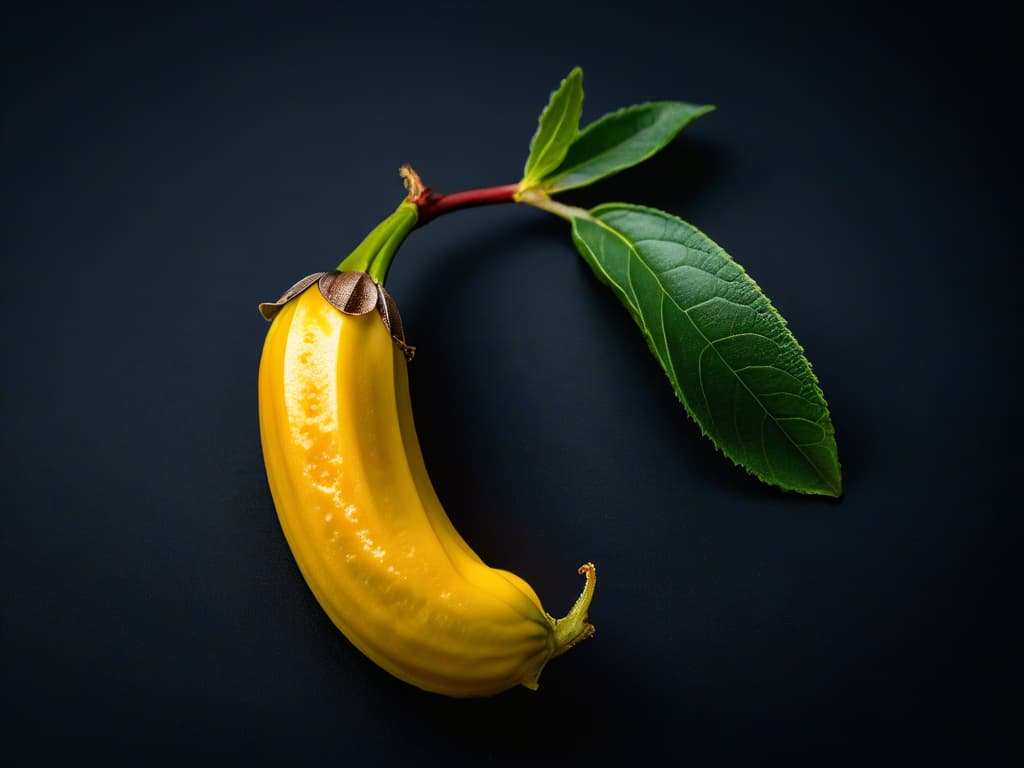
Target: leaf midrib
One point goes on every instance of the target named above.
(708, 343)
(554, 134)
(594, 158)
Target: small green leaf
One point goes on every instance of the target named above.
(733, 362)
(620, 140)
(557, 127)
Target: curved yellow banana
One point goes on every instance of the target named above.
(363, 521)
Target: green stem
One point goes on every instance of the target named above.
(539, 199)
(378, 248)
(422, 205)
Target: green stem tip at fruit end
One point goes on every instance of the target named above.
(422, 205)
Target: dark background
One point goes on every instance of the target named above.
(166, 168)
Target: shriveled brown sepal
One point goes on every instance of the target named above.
(270, 308)
(353, 293)
(389, 312)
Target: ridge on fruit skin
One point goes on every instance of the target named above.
(361, 516)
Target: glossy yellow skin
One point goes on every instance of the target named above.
(365, 525)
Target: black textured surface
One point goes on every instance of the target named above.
(165, 170)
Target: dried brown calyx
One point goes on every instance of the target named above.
(353, 293)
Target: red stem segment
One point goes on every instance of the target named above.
(431, 204)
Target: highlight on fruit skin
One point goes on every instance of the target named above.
(361, 516)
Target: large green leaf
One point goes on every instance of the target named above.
(732, 360)
(557, 126)
(620, 140)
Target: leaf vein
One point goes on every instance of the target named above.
(554, 132)
(671, 370)
(599, 264)
(630, 246)
(700, 304)
(755, 334)
(700, 383)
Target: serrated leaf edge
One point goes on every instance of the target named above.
(533, 158)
